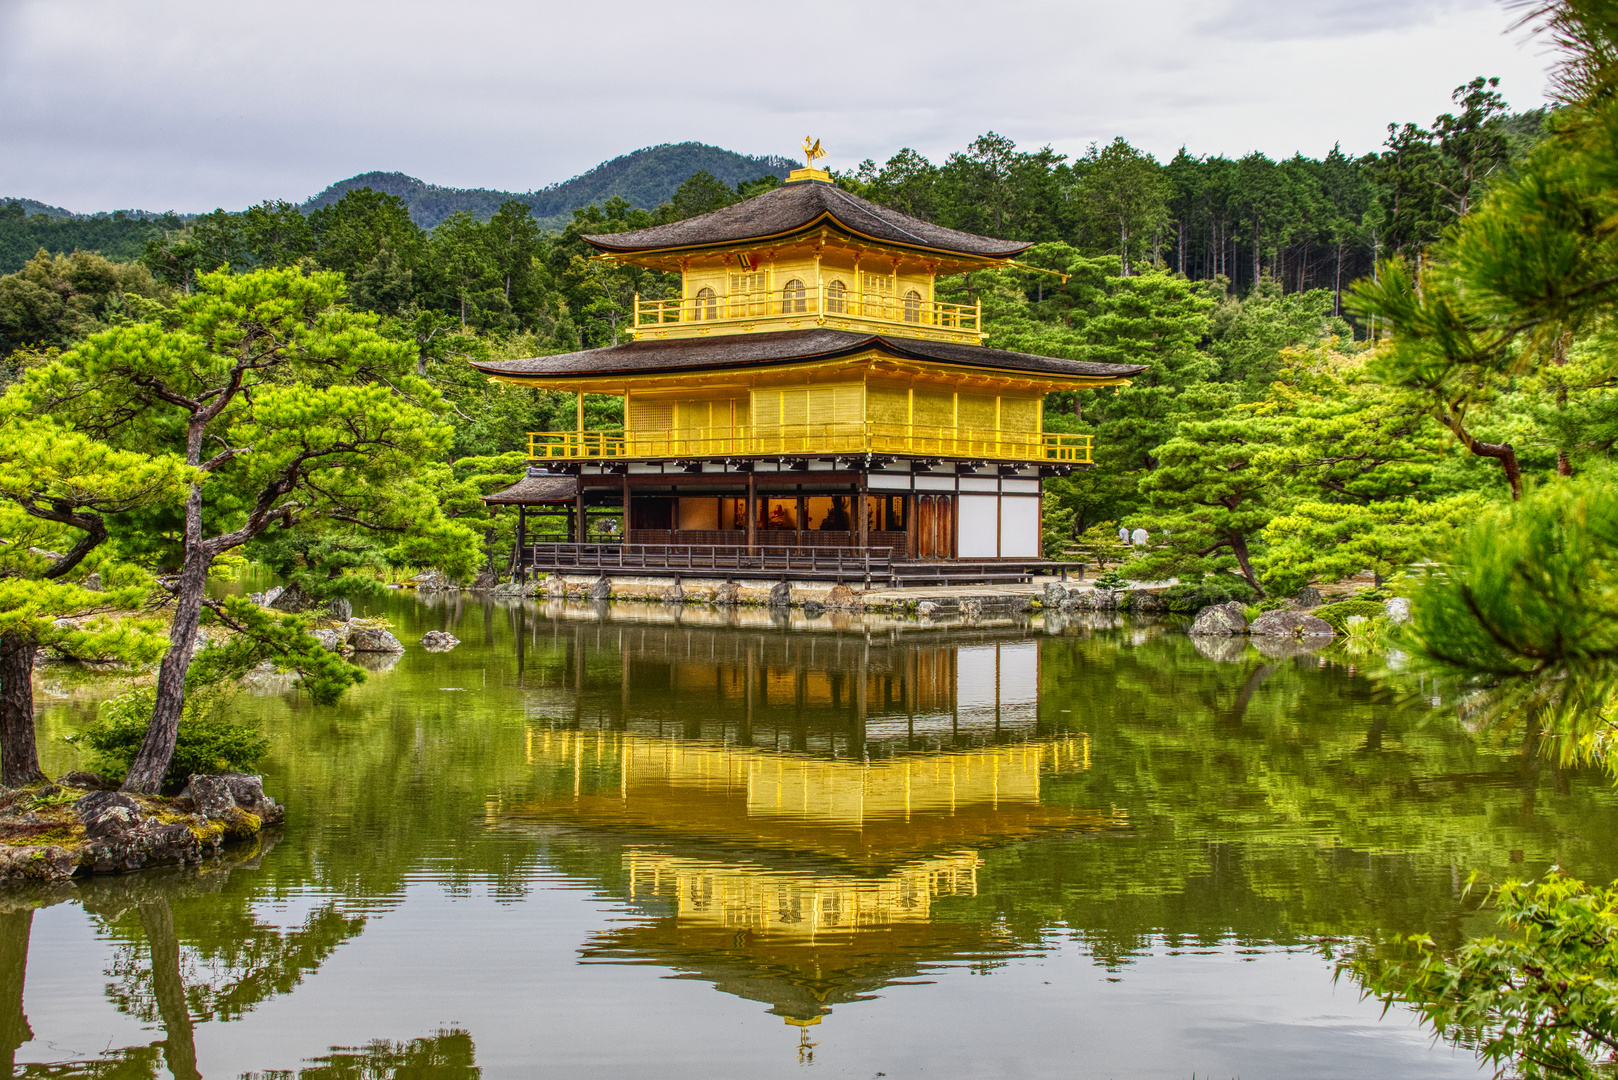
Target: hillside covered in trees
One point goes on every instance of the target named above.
(645, 179)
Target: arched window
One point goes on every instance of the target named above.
(707, 304)
(792, 297)
(912, 306)
(836, 297)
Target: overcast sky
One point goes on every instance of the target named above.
(189, 105)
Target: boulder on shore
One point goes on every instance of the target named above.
(1308, 597)
(1398, 610)
(1221, 620)
(106, 831)
(1288, 624)
(484, 582)
(374, 639)
(439, 641)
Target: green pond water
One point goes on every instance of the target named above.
(635, 842)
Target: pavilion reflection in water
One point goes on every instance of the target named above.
(795, 817)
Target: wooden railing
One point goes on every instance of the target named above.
(852, 437)
(713, 559)
(811, 300)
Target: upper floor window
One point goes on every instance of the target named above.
(707, 304)
(913, 306)
(741, 285)
(837, 297)
(792, 297)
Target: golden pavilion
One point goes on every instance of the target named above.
(807, 390)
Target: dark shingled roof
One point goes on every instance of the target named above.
(796, 206)
(787, 347)
(536, 489)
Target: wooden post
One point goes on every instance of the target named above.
(626, 505)
(581, 528)
(752, 514)
(522, 544)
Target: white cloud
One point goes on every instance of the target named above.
(189, 105)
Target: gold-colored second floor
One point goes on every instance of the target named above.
(806, 288)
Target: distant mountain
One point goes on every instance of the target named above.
(30, 207)
(645, 178)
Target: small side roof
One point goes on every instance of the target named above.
(797, 207)
(793, 346)
(536, 489)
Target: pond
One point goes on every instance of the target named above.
(637, 841)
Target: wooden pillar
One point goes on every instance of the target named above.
(522, 543)
(580, 527)
(752, 512)
(912, 504)
(626, 506)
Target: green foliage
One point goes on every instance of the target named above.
(1524, 612)
(1340, 612)
(1112, 579)
(1189, 597)
(282, 639)
(1536, 1004)
(53, 301)
(1210, 496)
(208, 742)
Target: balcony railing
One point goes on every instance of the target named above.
(855, 437)
(811, 301)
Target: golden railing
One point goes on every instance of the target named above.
(851, 437)
(810, 300)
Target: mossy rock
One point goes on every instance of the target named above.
(1339, 613)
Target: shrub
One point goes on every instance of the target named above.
(1339, 613)
(1187, 598)
(206, 743)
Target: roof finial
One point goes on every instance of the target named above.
(812, 151)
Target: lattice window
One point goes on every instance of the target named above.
(792, 297)
(837, 297)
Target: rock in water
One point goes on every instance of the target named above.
(727, 595)
(439, 641)
(780, 594)
(1054, 595)
(813, 609)
(330, 640)
(1398, 610)
(484, 582)
(1308, 597)
(674, 594)
(1221, 620)
(601, 588)
(340, 608)
(374, 639)
(971, 608)
(430, 581)
(219, 797)
(1146, 603)
(269, 596)
(292, 599)
(1290, 624)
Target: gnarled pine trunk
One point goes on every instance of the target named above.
(19, 758)
(157, 750)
